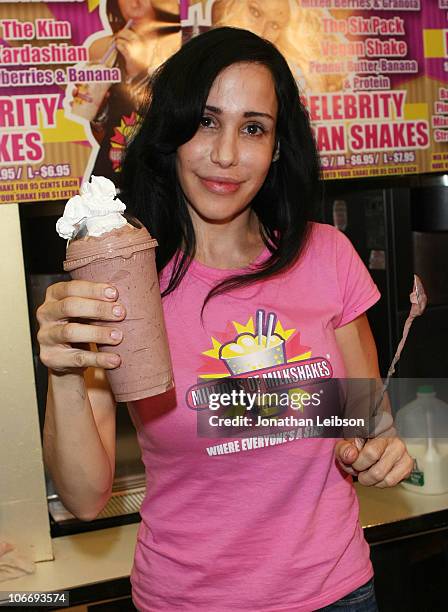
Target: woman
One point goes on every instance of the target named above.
(296, 32)
(144, 34)
(224, 172)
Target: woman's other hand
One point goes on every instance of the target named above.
(381, 462)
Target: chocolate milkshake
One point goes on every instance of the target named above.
(124, 256)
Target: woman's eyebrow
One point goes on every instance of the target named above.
(218, 111)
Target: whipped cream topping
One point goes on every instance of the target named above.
(97, 205)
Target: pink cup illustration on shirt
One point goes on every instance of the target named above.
(249, 352)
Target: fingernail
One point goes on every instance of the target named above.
(348, 453)
(117, 310)
(115, 334)
(113, 359)
(110, 292)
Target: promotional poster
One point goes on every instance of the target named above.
(373, 74)
(72, 76)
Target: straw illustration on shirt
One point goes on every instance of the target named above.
(249, 352)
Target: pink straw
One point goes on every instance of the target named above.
(184, 5)
(260, 317)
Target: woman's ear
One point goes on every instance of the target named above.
(276, 155)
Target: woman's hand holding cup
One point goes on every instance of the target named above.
(64, 323)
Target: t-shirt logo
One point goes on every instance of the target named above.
(257, 346)
(263, 350)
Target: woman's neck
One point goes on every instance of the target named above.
(233, 244)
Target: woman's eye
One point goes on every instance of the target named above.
(255, 129)
(206, 122)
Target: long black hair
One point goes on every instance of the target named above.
(176, 99)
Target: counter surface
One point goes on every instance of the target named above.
(382, 506)
(107, 554)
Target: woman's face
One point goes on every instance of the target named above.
(226, 162)
(135, 9)
(267, 19)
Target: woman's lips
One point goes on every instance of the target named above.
(216, 186)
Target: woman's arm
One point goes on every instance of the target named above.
(383, 461)
(79, 428)
(79, 440)
(358, 349)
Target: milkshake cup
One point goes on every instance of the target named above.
(123, 256)
(89, 97)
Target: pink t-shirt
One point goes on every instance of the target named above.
(255, 527)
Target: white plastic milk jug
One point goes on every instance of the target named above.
(423, 425)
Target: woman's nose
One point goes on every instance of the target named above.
(270, 30)
(225, 149)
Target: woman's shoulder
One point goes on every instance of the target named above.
(323, 236)
(323, 229)
(325, 245)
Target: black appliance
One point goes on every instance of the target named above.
(398, 229)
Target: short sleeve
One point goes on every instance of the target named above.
(357, 290)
